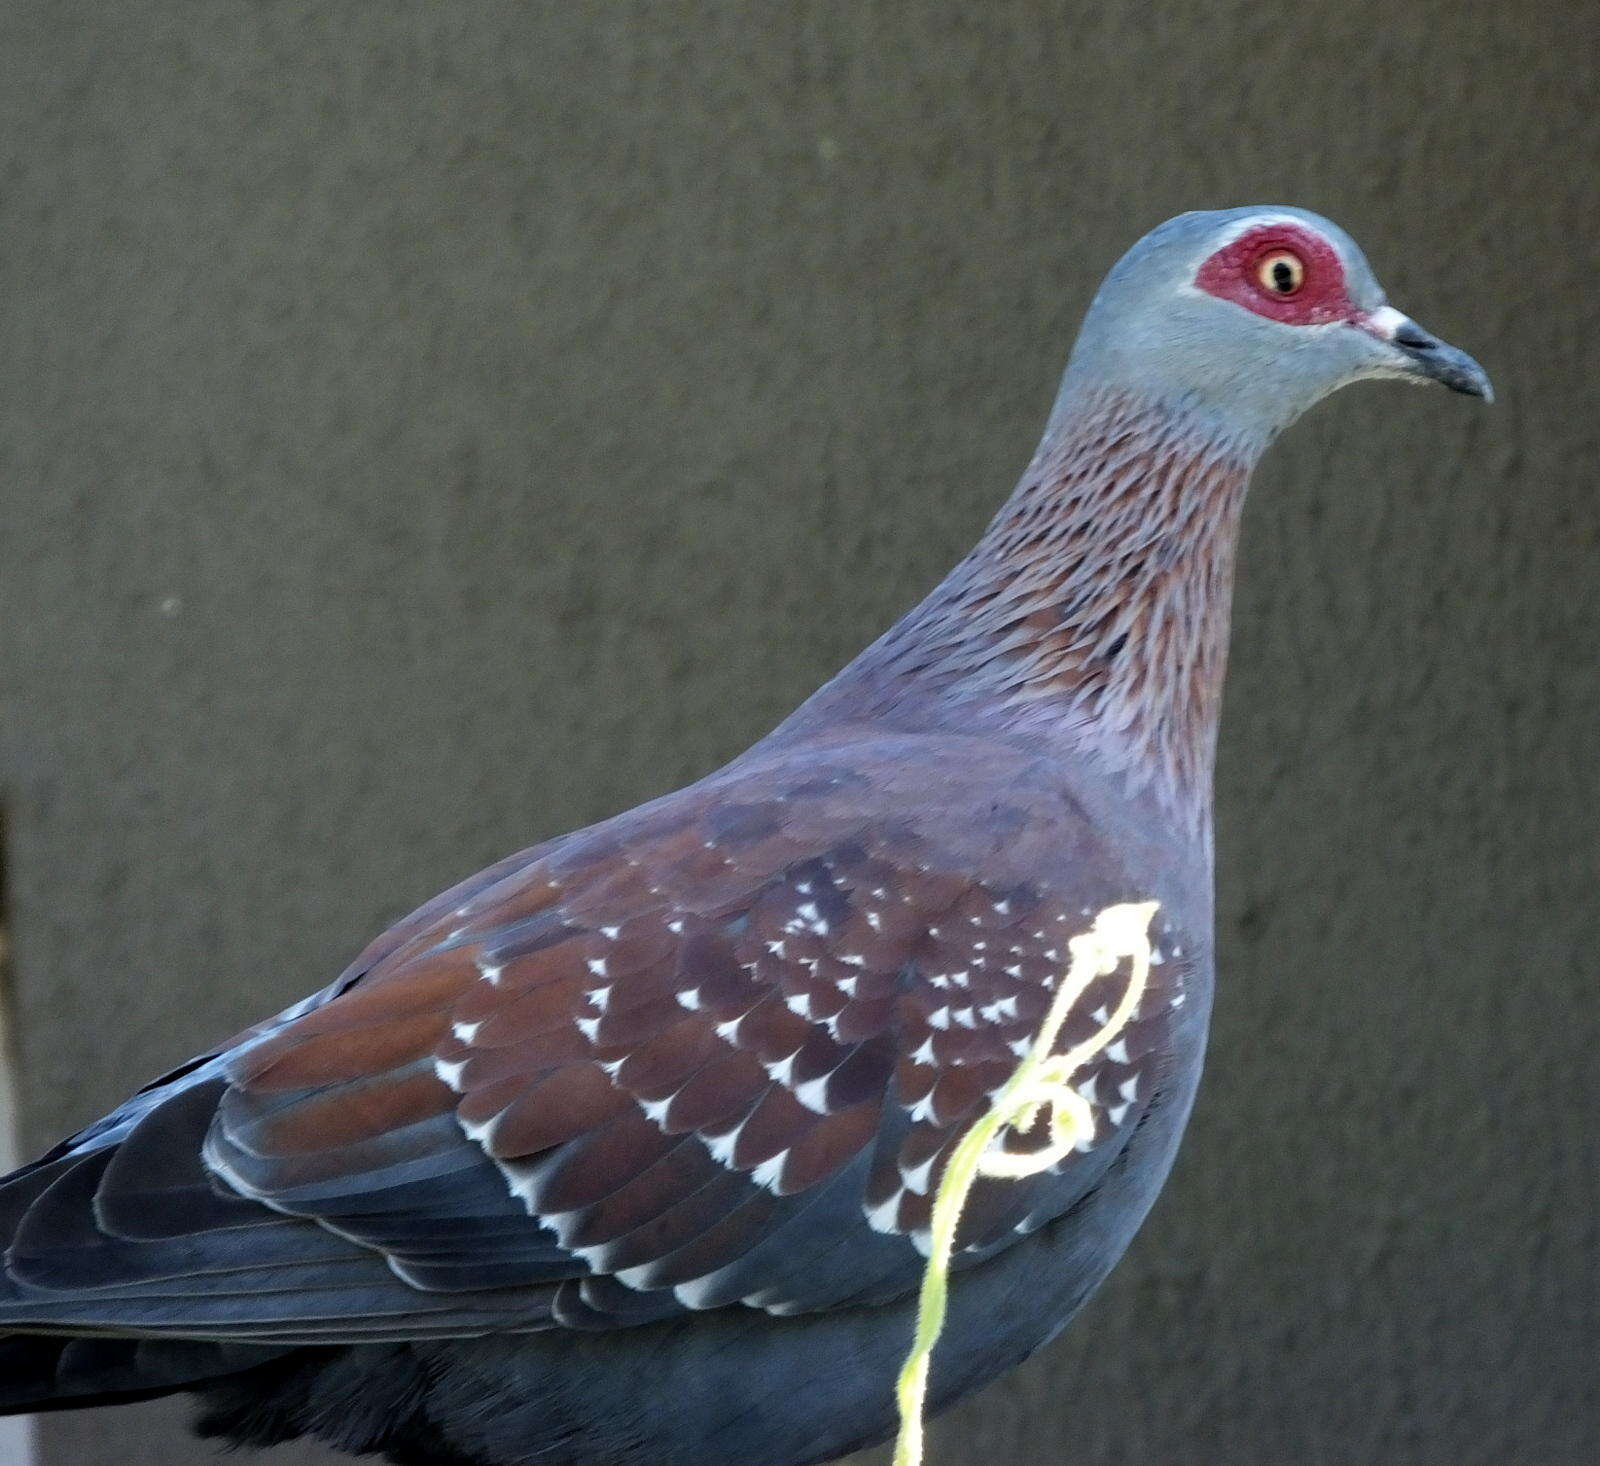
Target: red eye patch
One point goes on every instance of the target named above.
(1283, 272)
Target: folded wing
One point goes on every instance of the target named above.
(712, 1053)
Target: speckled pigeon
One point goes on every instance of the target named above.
(622, 1150)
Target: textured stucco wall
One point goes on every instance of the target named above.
(426, 427)
(15, 1431)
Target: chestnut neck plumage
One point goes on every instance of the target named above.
(1093, 614)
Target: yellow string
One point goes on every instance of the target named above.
(1041, 1082)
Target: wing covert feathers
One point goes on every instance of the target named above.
(715, 1051)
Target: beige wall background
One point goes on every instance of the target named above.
(424, 428)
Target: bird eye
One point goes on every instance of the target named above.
(1282, 272)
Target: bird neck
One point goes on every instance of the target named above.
(1093, 614)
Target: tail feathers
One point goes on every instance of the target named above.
(40, 1374)
(362, 1400)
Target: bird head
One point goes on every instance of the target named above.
(1251, 316)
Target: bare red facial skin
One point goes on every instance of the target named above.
(1322, 297)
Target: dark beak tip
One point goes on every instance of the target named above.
(1439, 361)
(1469, 379)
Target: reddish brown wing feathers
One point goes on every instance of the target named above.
(715, 1050)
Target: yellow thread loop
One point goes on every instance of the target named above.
(1040, 1084)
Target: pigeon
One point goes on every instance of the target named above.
(624, 1150)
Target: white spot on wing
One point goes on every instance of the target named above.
(885, 1216)
(769, 1173)
(638, 1278)
(697, 1293)
(594, 1257)
(810, 918)
(478, 1131)
(449, 1073)
(918, 1177)
(721, 1146)
(813, 1094)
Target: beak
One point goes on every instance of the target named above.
(1421, 354)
